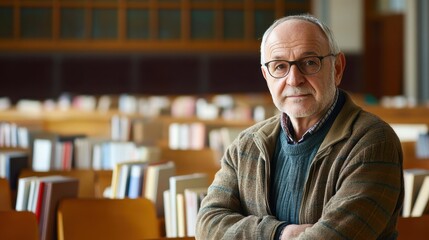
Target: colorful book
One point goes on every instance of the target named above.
(135, 185)
(181, 215)
(23, 193)
(42, 195)
(178, 184)
(11, 164)
(421, 205)
(156, 181)
(413, 180)
(193, 198)
(55, 189)
(167, 213)
(121, 178)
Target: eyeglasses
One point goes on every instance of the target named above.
(307, 66)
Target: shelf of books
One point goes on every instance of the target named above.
(165, 149)
(131, 150)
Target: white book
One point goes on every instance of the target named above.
(42, 150)
(135, 184)
(3, 166)
(115, 131)
(413, 180)
(197, 136)
(23, 137)
(13, 135)
(82, 152)
(184, 136)
(181, 216)
(118, 152)
(178, 184)
(57, 164)
(97, 163)
(193, 197)
(174, 131)
(156, 181)
(124, 174)
(7, 134)
(167, 213)
(33, 195)
(422, 200)
(23, 193)
(120, 128)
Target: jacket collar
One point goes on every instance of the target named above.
(340, 129)
(342, 126)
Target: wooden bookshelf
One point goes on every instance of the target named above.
(145, 25)
(416, 114)
(98, 123)
(413, 228)
(410, 159)
(62, 122)
(117, 46)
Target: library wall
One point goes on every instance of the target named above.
(47, 75)
(42, 76)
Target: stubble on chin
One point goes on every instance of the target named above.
(296, 108)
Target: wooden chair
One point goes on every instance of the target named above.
(5, 195)
(18, 225)
(192, 161)
(413, 228)
(98, 218)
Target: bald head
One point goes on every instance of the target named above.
(293, 25)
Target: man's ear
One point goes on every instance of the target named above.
(264, 71)
(340, 64)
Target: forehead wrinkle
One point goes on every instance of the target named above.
(280, 50)
(285, 42)
(277, 50)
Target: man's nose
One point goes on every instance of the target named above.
(295, 76)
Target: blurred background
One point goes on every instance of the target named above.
(96, 47)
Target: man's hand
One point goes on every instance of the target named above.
(292, 231)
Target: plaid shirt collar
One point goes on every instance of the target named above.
(288, 128)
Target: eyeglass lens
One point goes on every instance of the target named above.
(281, 68)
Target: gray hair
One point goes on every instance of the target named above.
(306, 17)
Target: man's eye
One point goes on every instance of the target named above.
(309, 62)
(280, 66)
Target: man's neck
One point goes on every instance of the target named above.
(301, 125)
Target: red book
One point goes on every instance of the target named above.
(39, 200)
(55, 188)
(67, 155)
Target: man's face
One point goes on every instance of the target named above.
(298, 95)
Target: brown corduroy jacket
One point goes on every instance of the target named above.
(354, 189)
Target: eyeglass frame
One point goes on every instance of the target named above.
(291, 63)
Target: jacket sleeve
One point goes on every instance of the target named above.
(225, 214)
(368, 193)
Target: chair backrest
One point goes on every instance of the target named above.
(102, 218)
(5, 195)
(192, 161)
(413, 227)
(18, 225)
